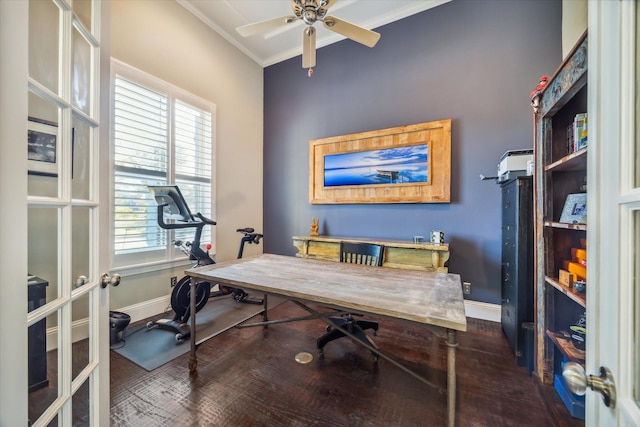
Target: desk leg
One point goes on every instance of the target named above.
(265, 314)
(193, 362)
(451, 376)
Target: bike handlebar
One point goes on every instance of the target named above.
(203, 220)
(248, 237)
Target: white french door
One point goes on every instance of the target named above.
(614, 209)
(56, 171)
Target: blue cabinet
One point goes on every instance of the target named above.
(517, 267)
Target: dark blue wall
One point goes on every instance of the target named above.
(469, 60)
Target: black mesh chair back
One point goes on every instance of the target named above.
(361, 253)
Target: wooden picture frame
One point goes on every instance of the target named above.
(406, 164)
(575, 209)
(43, 147)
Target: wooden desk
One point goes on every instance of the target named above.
(433, 300)
(397, 253)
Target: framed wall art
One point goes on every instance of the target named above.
(43, 147)
(406, 164)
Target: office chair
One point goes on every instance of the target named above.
(354, 253)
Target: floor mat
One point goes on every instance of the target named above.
(151, 348)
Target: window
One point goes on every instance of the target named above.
(161, 135)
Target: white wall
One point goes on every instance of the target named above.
(163, 39)
(574, 23)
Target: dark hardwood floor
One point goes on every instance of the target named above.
(249, 377)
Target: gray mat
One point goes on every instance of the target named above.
(151, 348)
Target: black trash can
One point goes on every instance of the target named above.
(118, 321)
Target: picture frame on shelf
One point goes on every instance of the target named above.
(43, 148)
(575, 209)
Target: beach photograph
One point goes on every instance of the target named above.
(398, 165)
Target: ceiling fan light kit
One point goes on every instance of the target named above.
(310, 11)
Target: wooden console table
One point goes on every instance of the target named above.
(397, 253)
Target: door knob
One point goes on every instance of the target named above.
(106, 280)
(578, 381)
(81, 280)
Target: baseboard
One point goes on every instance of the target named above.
(483, 310)
(147, 309)
(80, 328)
(143, 310)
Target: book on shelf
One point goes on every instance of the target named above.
(577, 134)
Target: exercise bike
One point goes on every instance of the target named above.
(172, 205)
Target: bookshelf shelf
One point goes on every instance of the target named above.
(576, 161)
(571, 293)
(568, 350)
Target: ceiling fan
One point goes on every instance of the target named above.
(310, 11)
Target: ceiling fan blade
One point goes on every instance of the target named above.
(352, 31)
(259, 27)
(309, 47)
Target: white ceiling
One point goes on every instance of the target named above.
(286, 42)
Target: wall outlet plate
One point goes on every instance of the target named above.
(466, 288)
(174, 281)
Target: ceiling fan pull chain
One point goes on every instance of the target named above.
(310, 72)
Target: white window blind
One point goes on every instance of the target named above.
(161, 135)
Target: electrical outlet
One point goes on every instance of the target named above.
(466, 288)
(174, 281)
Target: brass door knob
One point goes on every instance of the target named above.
(578, 381)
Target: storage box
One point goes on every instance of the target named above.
(566, 279)
(514, 160)
(579, 255)
(573, 402)
(574, 268)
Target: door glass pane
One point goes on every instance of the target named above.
(81, 67)
(80, 358)
(81, 320)
(82, 9)
(43, 147)
(43, 372)
(43, 43)
(80, 405)
(80, 246)
(43, 247)
(80, 161)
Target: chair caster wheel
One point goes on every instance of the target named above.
(150, 325)
(321, 356)
(328, 328)
(179, 337)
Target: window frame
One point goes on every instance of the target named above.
(148, 261)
